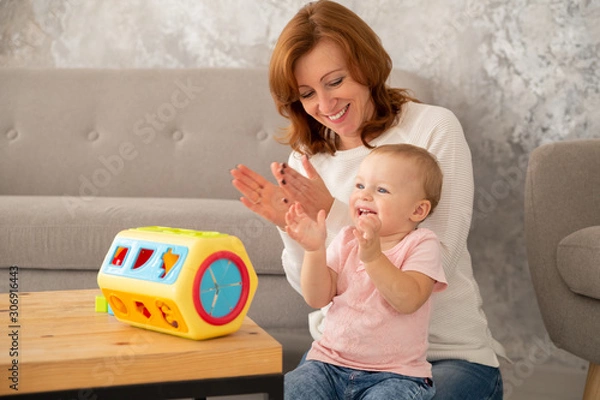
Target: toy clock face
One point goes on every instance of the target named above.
(221, 288)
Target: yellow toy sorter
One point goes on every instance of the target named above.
(188, 283)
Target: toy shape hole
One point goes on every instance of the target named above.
(169, 260)
(142, 258)
(117, 304)
(119, 256)
(142, 309)
(167, 314)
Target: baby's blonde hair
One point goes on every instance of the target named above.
(430, 170)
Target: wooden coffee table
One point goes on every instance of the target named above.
(55, 346)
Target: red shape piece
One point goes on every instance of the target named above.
(143, 256)
(119, 256)
(142, 309)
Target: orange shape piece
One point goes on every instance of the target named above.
(169, 260)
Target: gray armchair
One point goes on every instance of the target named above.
(562, 230)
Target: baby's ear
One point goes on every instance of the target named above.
(422, 209)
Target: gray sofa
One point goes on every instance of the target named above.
(87, 153)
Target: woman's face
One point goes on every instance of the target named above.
(330, 95)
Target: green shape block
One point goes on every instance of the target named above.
(101, 304)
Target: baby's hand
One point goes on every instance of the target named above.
(366, 232)
(310, 234)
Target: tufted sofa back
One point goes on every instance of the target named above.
(134, 133)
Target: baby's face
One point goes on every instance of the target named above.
(390, 188)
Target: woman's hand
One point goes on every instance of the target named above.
(310, 191)
(260, 195)
(272, 202)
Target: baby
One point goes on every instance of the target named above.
(378, 276)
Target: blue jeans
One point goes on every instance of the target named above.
(315, 380)
(464, 380)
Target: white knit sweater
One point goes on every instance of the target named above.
(458, 327)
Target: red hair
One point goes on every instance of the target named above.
(367, 61)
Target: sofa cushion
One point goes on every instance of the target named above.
(60, 232)
(578, 261)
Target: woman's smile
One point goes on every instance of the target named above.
(338, 116)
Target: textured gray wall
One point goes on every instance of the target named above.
(518, 73)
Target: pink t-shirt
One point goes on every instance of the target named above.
(362, 331)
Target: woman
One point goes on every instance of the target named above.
(327, 76)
